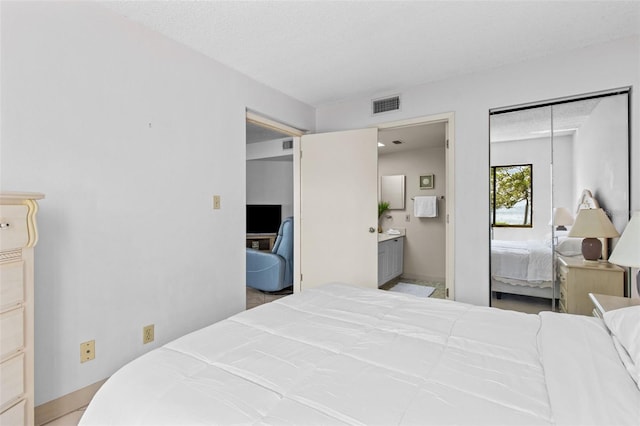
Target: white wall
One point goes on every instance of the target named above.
(129, 135)
(564, 191)
(424, 249)
(271, 182)
(594, 68)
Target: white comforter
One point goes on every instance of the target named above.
(343, 355)
(530, 260)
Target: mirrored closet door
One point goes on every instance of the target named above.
(547, 162)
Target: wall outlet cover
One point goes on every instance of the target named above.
(87, 351)
(148, 334)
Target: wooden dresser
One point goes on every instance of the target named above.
(18, 236)
(578, 279)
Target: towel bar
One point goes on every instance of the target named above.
(439, 198)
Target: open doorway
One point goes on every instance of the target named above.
(269, 209)
(412, 164)
(327, 234)
(351, 182)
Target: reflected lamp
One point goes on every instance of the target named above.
(627, 250)
(592, 224)
(561, 218)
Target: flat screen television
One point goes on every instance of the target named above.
(263, 218)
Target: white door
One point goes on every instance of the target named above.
(339, 208)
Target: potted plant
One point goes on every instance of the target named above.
(383, 206)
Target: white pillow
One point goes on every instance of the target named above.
(569, 246)
(624, 324)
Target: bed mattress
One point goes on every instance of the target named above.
(528, 261)
(341, 355)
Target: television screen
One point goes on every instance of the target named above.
(263, 218)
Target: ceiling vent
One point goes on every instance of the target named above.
(288, 144)
(378, 106)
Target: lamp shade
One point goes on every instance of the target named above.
(562, 217)
(593, 223)
(627, 250)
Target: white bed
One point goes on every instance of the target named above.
(340, 355)
(522, 267)
(527, 267)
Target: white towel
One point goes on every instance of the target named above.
(425, 206)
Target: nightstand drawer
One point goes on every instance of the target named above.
(11, 285)
(13, 227)
(578, 278)
(563, 295)
(562, 274)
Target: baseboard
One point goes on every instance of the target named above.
(66, 404)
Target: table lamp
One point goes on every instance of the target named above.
(627, 250)
(592, 224)
(562, 217)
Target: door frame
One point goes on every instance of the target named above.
(449, 119)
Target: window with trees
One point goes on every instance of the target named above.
(512, 195)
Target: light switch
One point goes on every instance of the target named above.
(216, 202)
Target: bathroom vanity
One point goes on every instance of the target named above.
(390, 256)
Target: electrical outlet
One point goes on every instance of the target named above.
(147, 334)
(87, 351)
(216, 202)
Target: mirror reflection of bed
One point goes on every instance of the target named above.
(576, 152)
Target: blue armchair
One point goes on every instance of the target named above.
(273, 271)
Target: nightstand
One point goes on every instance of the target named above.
(579, 278)
(603, 303)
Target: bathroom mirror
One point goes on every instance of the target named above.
(392, 191)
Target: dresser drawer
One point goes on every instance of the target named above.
(13, 227)
(12, 387)
(11, 332)
(11, 285)
(14, 415)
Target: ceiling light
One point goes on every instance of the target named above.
(380, 144)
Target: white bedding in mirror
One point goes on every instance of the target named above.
(530, 261)
(342, 355)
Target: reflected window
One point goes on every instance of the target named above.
(512, 196)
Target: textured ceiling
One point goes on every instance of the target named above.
(325, 51)
(538, 122)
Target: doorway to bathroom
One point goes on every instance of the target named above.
(412, 177)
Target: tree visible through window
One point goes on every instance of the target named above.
(512, 195)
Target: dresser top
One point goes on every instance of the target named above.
(605, 303)
(579, 262)
(13, 196)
